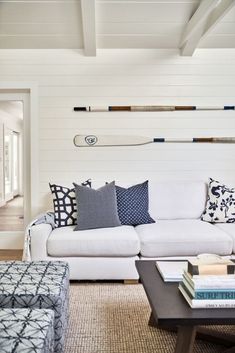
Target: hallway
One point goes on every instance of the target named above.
(11, 215)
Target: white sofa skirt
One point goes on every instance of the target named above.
(100, 268)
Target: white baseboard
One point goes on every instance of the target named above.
(11, 240)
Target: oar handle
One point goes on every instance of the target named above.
(203, 139)
(196, 139)
(224, 139)
(215, 139)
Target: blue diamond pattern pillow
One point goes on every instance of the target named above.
(133, 204)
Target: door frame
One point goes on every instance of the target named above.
(28, 93)
(7, 132)
(16, 192)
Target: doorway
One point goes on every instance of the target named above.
(27, 93)
(11, 166)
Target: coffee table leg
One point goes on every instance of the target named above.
(152, 321)
(185, 339)
(230, 350)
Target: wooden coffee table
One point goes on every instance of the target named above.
(171, 311)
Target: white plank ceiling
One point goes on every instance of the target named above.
(118, 24)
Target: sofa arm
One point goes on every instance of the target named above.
(38, 241)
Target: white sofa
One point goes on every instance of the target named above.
(110, 253)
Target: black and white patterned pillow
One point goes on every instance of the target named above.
(65, 205)
(220, 206)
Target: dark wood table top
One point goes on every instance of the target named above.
(169, 306)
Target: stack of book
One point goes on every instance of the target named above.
(209, 285)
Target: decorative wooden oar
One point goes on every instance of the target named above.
(151, 108)
(129, 140)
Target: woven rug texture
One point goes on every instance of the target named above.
(113, 318)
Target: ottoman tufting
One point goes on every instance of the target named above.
(26, 330)
(37, 284)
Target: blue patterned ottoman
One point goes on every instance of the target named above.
(26, 330)
(37, 284)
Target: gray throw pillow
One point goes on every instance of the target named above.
(96, 208)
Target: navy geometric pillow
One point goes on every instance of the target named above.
(65, 204)
(133, 204)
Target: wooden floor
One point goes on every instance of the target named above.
(10, 255)
(11, 215)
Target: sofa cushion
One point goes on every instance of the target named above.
(177, 200)
(117, 241)
(133, 204)
(182, 237)
(228, 228)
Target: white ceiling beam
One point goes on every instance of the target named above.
(208, 24)
(217, 14)
(191, 45)
(89, 27)
(201, 14)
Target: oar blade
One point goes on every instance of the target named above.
(110, 140)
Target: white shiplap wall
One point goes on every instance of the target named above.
(67, 78)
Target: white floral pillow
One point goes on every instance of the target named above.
(220, 206)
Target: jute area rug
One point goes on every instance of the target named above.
(113, 318)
